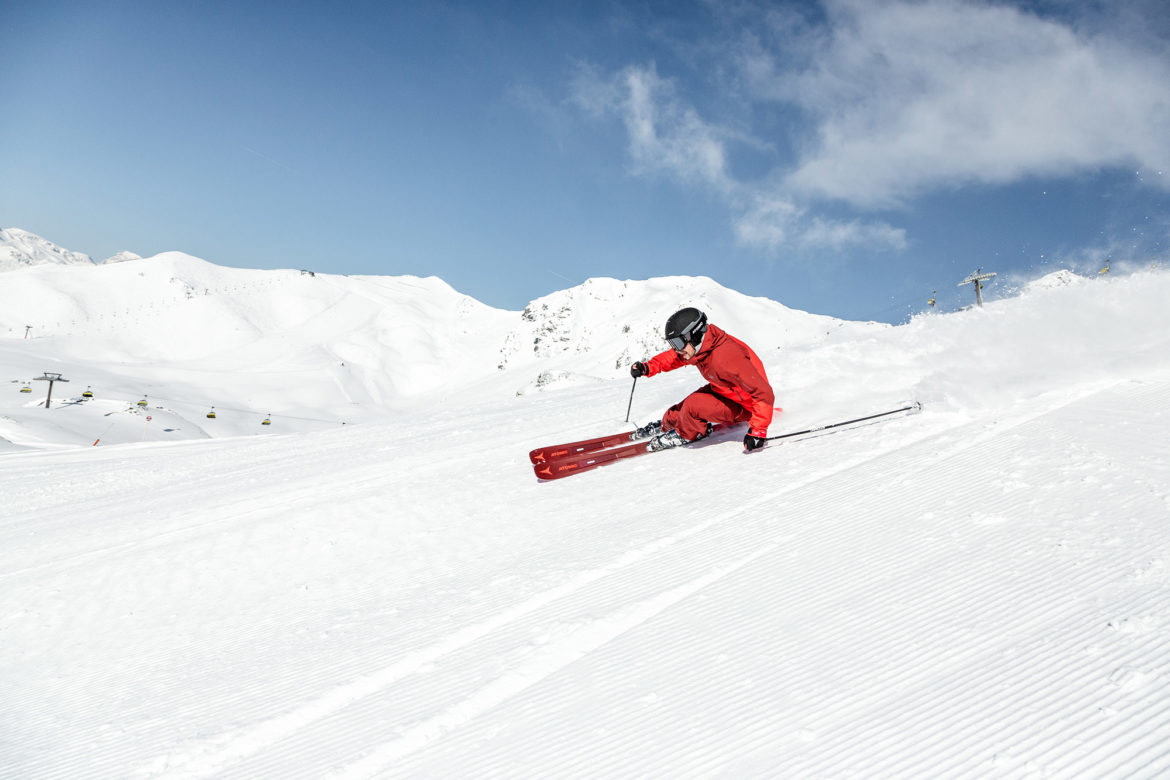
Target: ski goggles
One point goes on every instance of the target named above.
(679, 343)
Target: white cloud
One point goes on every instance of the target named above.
(769, 223)
(823, 233)
(666, 134)
(773, 222)
(893, 99)
(913, 96)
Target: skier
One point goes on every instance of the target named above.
(738, 391)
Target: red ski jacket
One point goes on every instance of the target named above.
(733, 369)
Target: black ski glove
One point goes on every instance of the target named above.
(639, 369)
(751, 442)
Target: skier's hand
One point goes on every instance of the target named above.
(639, 369)
(754, 439)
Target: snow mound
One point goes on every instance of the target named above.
(121, 257)
(1057, 279)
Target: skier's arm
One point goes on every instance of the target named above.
(762, 399)
(663, 361)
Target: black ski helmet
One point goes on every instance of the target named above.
(686, 326)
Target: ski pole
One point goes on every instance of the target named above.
(913, 407)
(631, 404)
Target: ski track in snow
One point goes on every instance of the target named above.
(566, 649)
(1054, 673)
(457, 706)
(953, 718)
(883, 737)
(276, 729)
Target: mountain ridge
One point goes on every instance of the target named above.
(177, 307)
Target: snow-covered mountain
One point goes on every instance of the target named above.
(21, 249)
(311, 347)
(979, 590)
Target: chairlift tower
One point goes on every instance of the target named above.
(50, 378)
(977, 277)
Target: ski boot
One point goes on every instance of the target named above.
(665, 441)
(648, 430)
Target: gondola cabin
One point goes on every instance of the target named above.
(211, 414)
(142, 403)
(87, 394)
(266, 421)
(25, 389)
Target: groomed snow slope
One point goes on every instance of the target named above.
(979, 590)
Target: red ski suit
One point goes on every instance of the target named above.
(738, 391)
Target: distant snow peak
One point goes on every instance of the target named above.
(1061, 278)
(598, 328)
(21, 249)
(121, 257)
(566, 320)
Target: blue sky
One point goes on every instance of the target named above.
(846, 158)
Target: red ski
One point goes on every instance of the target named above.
(567, 465)
(565, 459)
(558, 451)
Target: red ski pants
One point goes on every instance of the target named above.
(691, 415)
